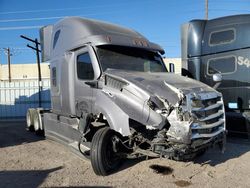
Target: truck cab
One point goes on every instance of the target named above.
(112, 97)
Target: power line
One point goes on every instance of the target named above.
(229, 1)
(20, 48)
(214, 10)
(17, 49)
(20, 27)
(36, 11)
(76, 8)
(193, 11)
(32, 19)
(230, 10)
(58, 17)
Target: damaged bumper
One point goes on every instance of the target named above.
(187, 152)
(200, 115)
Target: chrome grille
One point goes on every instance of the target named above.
(208, 112)
(197, 103)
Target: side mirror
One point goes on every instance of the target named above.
(93, 84)
(217, 77)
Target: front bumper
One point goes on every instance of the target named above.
(182, 152)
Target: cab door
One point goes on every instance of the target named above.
(86, 71)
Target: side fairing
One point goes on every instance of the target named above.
(120, 101)
(117, 118)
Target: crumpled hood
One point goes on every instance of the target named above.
(163, 85)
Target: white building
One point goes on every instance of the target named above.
(23, 71)
(176, 62)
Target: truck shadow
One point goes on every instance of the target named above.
(25, 178)
(235, 147)
(14, 133)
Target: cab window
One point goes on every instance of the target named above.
(56, 37)
(84, 67)
(222, 65)
(222, 37)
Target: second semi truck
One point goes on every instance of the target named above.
(222, 46)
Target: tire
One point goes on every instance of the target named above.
(104, 159)
(38, 126)
(30, 119)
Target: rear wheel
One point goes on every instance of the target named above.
(30, 119)
(104, 151)
(38, 126)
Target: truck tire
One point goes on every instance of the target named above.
(30, 119)
(104, 159)
(38, 125)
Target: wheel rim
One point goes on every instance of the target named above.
(28, 120)
(36, 122)
(112, 157)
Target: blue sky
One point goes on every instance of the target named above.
(158, 20)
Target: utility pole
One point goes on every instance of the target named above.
(7, 51)
(206, 9)
(36, 48)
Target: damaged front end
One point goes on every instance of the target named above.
(162, 119)
(193, 125)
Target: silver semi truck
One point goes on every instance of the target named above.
(112, 97)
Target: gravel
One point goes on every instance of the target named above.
(28, 160)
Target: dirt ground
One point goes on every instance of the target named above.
(27, 160)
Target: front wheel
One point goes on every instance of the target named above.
(104, 151)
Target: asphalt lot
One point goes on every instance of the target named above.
(27, 160)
